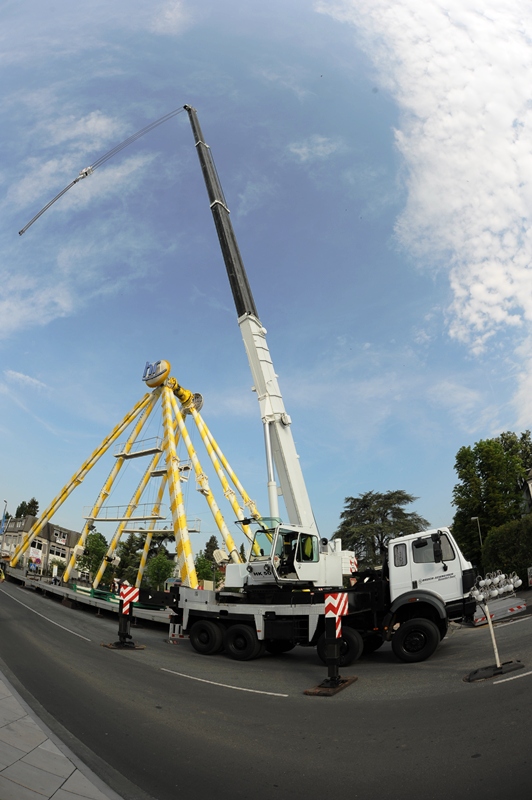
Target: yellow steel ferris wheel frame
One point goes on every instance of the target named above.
(177, 404)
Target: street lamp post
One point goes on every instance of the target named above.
(473, 519)
(3, 528)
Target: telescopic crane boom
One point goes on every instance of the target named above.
(280, 447)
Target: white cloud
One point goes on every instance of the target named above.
(94, 130)
(459, 72)
(289, 79)
(171, 18)
(254, 194)
(24, 380)
(315, 148)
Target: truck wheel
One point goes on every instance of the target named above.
(278, 646)
(206, 637)
(372, 642)
(416, 640)
(351, 646)
(241, 643)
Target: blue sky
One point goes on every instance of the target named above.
(376, 158)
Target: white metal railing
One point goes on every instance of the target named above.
(142, 511)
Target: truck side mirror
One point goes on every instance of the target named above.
(438, 551)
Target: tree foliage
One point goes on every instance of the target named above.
(206, 568)
(210, 547)
(158, 570)
(28, 508)
(370, 520)
(491, 475)
(509, 548)
(95, 550)
(129, 552)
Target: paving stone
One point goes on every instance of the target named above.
(4, 691)
(50, 747)
(10, 710)
(14, 791)
(9, 754)
(61, 794)
(79, 785)
(55, 763)
(23, 733)
(33, 778)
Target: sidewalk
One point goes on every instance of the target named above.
(34, 764)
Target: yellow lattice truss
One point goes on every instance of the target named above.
(177, 405)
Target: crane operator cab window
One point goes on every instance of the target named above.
(292, 547)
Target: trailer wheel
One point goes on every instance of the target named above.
(351, 646)
(416, 640)
(372, 642)
(278, 646)
(206, 637)
(241, 643)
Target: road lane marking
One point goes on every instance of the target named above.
(225, 685)
(42, 615)
(514, 677)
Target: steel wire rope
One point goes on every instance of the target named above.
(99, 161)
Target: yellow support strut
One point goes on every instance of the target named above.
(135, 500)
(204, 484)
(228, 492)
(149, 534)
(78, 478)
(106, 490)
(185, 560)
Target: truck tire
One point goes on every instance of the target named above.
(278, 646)
(351, 647)
(206, 637)
(416, 640)
(372, 642)
(241, 643)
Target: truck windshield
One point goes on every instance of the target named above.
(262, 545)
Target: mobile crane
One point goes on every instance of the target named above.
(276, 599)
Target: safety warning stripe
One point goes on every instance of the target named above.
(336, 604)
(128, 595)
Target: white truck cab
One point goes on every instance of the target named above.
(430, 561)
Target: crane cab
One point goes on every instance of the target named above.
(288, 554)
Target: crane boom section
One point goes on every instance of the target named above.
(273, 412)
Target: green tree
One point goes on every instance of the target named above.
(206, 568)
(370, 520)
(129, 552)
(95, 550)
(158, 570)
(29, 508)
(210, 547)
(509, 548)
(491, 476)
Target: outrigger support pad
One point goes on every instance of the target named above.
(484, 673)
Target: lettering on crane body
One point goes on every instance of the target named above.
(155, 374)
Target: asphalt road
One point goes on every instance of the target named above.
(165, 722)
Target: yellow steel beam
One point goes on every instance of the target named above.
(107, 487)
(185, 559)
(228, 492)
(78, 478)
(204, 485)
